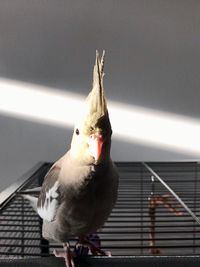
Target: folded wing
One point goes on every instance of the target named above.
(49, 197)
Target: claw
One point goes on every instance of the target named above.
(81, 249)
(66, 254)
(94, 245)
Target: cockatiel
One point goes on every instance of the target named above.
(80, 189)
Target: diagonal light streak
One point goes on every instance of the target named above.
(130, 123)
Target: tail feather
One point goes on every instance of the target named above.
(32, 200)
(35, 190)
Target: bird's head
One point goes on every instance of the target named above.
(92, 134)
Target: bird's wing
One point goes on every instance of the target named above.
(49, 197)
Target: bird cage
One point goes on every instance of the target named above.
(146, 226)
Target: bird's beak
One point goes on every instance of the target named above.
(95, 146)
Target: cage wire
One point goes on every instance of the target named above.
(146, 220)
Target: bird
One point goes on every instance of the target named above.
(80, 189)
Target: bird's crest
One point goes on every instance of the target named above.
(96, 101)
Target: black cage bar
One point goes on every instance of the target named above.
(134, 228)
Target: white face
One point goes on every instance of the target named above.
(87, 144)
(80, 146)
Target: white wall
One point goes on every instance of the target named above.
(152, 61)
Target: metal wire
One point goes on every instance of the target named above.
(128, 229)
(173, 193)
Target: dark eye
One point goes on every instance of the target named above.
(77, 131)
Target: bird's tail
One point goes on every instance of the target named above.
(35, 190)
(32, 200)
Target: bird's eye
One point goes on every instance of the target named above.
(77, 131)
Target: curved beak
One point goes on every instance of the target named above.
(95, 146)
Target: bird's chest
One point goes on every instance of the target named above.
(78, 206)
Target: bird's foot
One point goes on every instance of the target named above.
(93, 242)
(81, 250)
(66, 254)
(95, 239)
